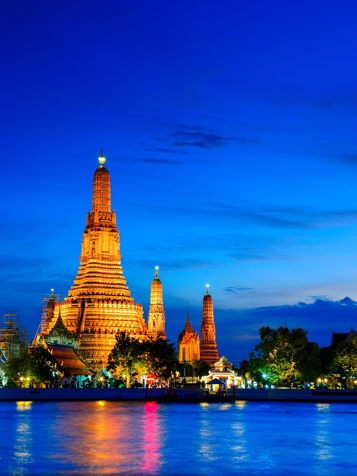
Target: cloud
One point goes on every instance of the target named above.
(238, 329)
(185, 136)
(236, 290)
(285, 217)
(319, 317)
(204, 140)
(347, 158)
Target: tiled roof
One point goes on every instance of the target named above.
(69, 359)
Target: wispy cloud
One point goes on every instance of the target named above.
(203, 140)
(286, 217)
(346, 158)
(182, 137)
(237, 290)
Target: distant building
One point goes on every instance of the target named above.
(208, 346)
(338, 337)
(190, 347)
(221, 376)
(188, 344)
(156, 318)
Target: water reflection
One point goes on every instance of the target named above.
(106, 438)
(23, 438)
(323, 433)
(95, 441)
(151, 439)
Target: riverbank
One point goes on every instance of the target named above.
(176, 395)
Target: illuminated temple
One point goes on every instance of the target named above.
(208, 345)
(99, 304)
(190, 347)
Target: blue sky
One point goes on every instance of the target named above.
(230, 135)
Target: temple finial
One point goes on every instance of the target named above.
(207, 288)
(101, 158)
(156, 271)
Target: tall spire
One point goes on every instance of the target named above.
(156, 317)
(101, 196)
(99, 303)
(100, 274)
(208, 346)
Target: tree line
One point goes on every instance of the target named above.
(129, 360)
(285, 357)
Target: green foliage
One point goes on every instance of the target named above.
(193, 370)
(284, 357)
(344, 361)
(131, 357)
(161, 357)
(34, 365)
(200, 368)
(126, 355)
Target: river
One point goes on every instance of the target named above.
(137, 438)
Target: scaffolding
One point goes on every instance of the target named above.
(48, 303)
(13, 338)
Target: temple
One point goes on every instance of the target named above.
(190, 347)
(99, 304)
(156, 318)
(208, 345)
(188, 344)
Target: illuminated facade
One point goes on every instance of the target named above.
(188, 344)
(99, 304)
(156, 318)
(208, 346)
(190, 347)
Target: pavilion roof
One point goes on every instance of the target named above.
(69, 358)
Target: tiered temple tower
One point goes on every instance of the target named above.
(208, 346)
(156, 318)
(188, 344)
(99, 303)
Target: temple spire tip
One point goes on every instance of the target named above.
(101, 158)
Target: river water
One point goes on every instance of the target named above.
(242, 438)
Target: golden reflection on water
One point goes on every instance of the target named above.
(23, 435)
(21, 406)
(240, 404)
(96, 438)
(107, 436)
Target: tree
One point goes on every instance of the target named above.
(34, 364)
(284, 357)
(344, 361)
(131, 356)
(200, 368)
(161, 357)
(126, 357)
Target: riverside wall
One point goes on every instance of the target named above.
(176, 395)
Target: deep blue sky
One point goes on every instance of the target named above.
(230, 134)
